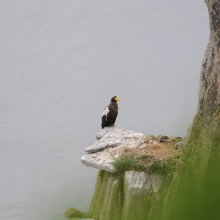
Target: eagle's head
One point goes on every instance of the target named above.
(114, 99)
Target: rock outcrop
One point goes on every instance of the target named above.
(193, 191)
(137, 195)
(111, 141)
(107, 199)
(195, 186)
(120, 196)
(124, 198)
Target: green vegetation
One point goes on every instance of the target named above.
(135, 163)
(101, 173)
(128, 162)
(159, 166)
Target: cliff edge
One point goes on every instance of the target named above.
(134, 174)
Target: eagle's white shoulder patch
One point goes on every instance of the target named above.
(106, 111)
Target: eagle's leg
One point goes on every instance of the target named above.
(113, 122)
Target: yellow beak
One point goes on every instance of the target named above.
(117, 99)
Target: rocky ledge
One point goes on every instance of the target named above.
(130, 194)
(110, 141)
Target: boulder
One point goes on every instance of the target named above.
(111, 137)
(110, 143)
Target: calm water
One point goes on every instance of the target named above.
(61, 62)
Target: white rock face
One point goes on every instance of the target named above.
(127, 198)
(107, 200)
(111, 141)
(100, 160)
(115, 137)
(137, 194)
(156, 180)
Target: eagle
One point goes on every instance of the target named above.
(110, 113)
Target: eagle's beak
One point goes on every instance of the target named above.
(117, 99)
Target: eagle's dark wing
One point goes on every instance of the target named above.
(112, 115)
(105, 119)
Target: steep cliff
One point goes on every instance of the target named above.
(195, 188)
(124, 198)
(134, 188)
(193, 192)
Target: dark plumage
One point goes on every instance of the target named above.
(110, 113)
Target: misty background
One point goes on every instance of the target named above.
(61, 62)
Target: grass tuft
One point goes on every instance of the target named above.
(159, 166)
(128, 162)
(157, 156)
(132, 162)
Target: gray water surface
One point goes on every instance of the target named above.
(61, 62)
